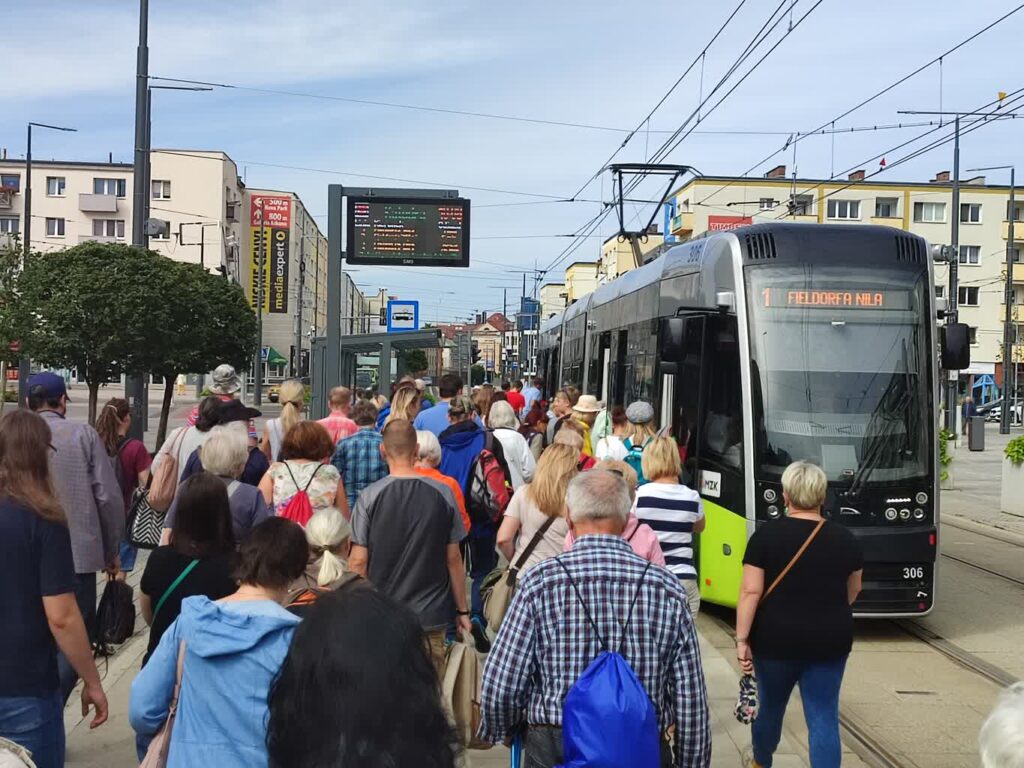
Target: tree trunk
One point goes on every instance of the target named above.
(170, 380)
(94, 394)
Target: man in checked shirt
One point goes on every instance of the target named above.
(546, 641)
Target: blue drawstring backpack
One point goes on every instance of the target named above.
(608, 720)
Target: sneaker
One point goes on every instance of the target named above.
(483, 643)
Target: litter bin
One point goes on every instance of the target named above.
(976, 433)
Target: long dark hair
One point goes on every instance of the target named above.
(111, 417)
(202, 525)
(209, 410)
(25, 464)
(358, 689)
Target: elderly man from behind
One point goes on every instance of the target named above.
(90, 495)
(338, 424)
(547, 639)
(357, 457)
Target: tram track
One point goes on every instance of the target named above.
(984, 569)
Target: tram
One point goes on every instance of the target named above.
(772, 343)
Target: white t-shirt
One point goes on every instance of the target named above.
(671, 510)
(610, 447)
(531, 519)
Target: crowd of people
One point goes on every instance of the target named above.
(311, 578)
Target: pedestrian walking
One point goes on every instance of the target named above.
(514, 395)
(640, 415)
(231, 650)
(482, 399)
(427, 463)
(532, 393)
(225, 387)
(794, 622)
(561, 411)
(388, 712)
(182, 442)
(131, 463)
(405, 404)
(533, 505)
(521, 464)
(674, 512)
(611, 446)
(292, 397)
(235, 416)
(90, 496)
(197, 560)
(357, 457)
(584, 413)
(329, 536)
(571, 434)
(968, 410)
(406, 531)
(384, 408)
(338, 424)
(38, 605)
(303, 466)
(436, 419)
(568, 609)
(224, 455)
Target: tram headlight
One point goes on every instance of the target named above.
(919, 514)
(904, 514)
(891, 514)
(770, 495)
(921, 497)
(773, 511)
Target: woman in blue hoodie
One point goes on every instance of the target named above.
(233, 649)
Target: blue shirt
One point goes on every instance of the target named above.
(530, 394)
(434, 419)
(357, 458)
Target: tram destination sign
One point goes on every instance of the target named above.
(418, 232)
(833, 298)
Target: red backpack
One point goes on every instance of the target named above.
(490, 486)
(299, 508)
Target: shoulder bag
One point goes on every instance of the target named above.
(460, 692)
(174, 585)
(500, 584)
(164, 481)
(745, 710)
(160, 746)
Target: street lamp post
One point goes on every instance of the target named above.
(24, 364)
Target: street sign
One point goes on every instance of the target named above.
(264, 353)
(403, 316)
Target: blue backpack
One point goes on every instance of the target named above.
(608, 720)
(634, 457)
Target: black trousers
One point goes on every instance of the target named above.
(542, 748)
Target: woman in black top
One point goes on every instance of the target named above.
(802, 632)
(202, 550)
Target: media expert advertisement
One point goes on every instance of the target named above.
(269, 232)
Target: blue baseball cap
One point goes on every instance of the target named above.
(47, 385)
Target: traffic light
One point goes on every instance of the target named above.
(475, 352)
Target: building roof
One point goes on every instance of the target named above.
(20, 163)
(500, 322)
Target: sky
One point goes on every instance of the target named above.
(603, 64)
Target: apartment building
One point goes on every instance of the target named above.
(923, 208)
(552, 299)
(580, 279)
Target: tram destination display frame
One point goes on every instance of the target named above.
(394, 230)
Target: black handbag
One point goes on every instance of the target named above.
(145, 524)
(115, 617)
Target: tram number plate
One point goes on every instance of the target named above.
(910, 572)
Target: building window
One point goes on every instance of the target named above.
(1018, 208)
(10, 181)
(108, 228)
(885, 207)
(54, 227)
(800, 205)
(9, 225)
(970, 254)
(967, 296)
(1016, 255)
(844, 209)
(160, 189)
(972, 334)
(970, 213)
(940, 291)
(766, 204)
(930, 213)
(116, 187)
(165, 234)
(55, 186)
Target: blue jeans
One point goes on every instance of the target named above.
(127, 554)
(483, 558)
(37, 724)
(85, 596)
(819, 683)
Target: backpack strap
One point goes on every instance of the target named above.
(632, 605)
(586, 611)
(295, 483)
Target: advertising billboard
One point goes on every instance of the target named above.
(724, 223)
(270, 221)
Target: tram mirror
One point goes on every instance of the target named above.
(956, 346)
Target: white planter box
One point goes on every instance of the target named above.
(1012, 495)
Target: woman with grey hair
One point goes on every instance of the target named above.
(1002, 735)
(428, 460)
(794, 622)
(225, 454)
(502, 419)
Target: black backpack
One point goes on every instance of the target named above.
(115, 617)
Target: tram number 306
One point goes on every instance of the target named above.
(913, 572)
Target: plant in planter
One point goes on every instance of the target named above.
(945, 457)
(1012, 490)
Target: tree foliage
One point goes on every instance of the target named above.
(415, 361)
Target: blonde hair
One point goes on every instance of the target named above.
(325, 531)
(661, 459)
(404, 404)
(639, 434)
(621, 468)
(292, 396)
(804, 484)
(558, 465)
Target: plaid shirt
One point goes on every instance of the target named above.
(358, 459)
(546, 643)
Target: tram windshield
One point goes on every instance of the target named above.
(840, 372)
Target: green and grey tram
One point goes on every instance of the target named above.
(773, 343)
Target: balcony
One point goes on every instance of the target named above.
(1018, 273)
(1018, 230)
(98, 238)
(97, 203)
(887, 221)
(682, 223)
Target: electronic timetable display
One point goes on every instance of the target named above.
(418, 232)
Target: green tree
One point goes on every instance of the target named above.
(415, 361)
(476, 374)
(91, 307)
(10, 268)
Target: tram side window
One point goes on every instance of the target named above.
(722, 434)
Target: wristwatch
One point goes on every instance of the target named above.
(462, 613)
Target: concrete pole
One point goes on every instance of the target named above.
(1008, 329)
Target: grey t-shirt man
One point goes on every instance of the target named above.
(406, 525)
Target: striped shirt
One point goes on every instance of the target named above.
(672, 511)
